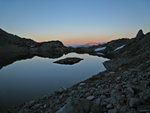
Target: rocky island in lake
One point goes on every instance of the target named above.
(69, 60)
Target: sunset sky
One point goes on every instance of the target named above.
(75, 21)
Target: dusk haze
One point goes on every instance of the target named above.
(75, 21)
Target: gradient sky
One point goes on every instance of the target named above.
(75, 21)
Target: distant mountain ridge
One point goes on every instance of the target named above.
(7, 38)
(13, 44)
(87, 44)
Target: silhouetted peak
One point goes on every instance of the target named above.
(140, 34)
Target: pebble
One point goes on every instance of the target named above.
(82, 84)
(44, 106)
(90, 98)
(109, 106)
(36, 106)
(118, 78)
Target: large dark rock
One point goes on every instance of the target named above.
(69, 61)
(140, 34)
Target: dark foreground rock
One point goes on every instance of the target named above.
(69, 61)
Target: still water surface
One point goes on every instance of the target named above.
(29, 79)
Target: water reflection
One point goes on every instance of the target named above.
(6, 58)
(31, 78)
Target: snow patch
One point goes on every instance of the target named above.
(99, 49)
(120, 47)
(100, 53)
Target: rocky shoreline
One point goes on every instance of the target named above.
(124, 91)
(123, 88)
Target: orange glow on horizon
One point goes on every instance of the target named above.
(73, 40)
(77, 42)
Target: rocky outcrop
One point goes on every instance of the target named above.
(69, 61)
(12, 44)
(51, 47)
(140, 35)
